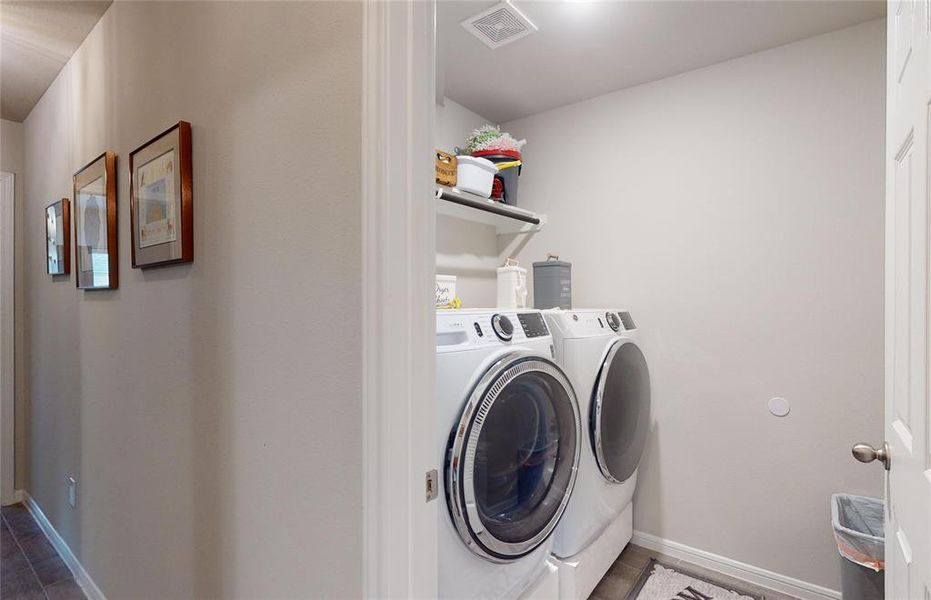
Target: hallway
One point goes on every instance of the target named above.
(30, 568)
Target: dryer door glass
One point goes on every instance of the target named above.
(518, 458)
(620, 417)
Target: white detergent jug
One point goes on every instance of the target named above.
(512, 285)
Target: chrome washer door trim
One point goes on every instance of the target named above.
(460, 488)
(598, 404)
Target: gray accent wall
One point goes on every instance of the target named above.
(737, 211)
(210, 412)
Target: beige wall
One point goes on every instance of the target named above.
(465, 249)
(11, 146)
(210, 412)
(737, 211)
(12, 161)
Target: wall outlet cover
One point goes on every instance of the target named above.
(72, 492)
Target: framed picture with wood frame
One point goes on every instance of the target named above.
(58, 237)
(95, 244)
(161, 199)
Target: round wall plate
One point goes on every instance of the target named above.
(779, 406)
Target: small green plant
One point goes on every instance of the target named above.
(490, 137)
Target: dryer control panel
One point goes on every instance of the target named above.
(578, 323)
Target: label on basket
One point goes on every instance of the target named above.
(445, 168)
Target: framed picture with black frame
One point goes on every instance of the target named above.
(58, 237)
(161, 199)
(95, 225)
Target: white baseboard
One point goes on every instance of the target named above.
(15, 497)
(80, 575)
(755, 575)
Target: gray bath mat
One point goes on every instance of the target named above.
(661, 582)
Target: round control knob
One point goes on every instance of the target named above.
(613, 322)
(502, 327)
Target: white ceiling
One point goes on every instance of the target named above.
(585, 49)
(36, 40)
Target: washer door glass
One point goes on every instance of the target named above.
(517, 458)
(620, 416)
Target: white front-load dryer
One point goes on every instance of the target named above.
(511, 435)
(599, 351)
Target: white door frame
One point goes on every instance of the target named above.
(7, 321)
(398, 250)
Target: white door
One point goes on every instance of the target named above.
(907, 416)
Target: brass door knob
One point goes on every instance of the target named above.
(866, 453)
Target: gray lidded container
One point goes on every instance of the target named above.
(552, 284)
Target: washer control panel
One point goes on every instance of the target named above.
(533, 324)
(456, 329)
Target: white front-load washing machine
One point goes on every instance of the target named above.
(510, 442)
(599, 351)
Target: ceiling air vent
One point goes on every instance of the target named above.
(628, 321)
(499, 25)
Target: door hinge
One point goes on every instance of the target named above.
(431, 485)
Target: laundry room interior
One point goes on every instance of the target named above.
(704, 180)
(678, 347)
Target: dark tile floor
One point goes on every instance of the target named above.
(624, 573)
(30, 568)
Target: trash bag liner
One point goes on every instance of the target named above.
(858, 529)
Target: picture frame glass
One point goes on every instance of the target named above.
(157, 216)
(91, 235)
(56, 238)
(159, 221)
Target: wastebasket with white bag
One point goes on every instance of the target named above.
(858, 530)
